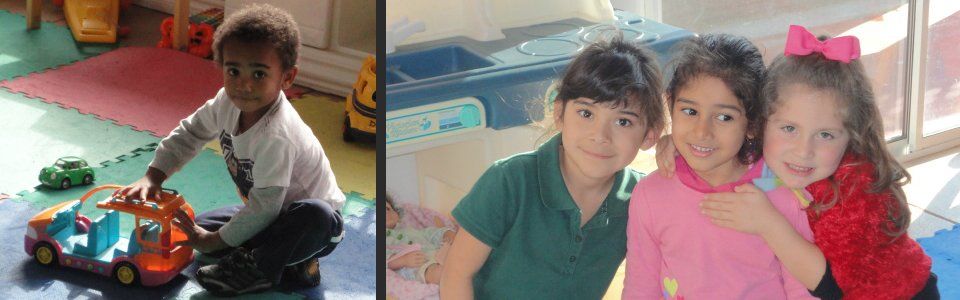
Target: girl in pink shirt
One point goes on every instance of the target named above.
(673, 251)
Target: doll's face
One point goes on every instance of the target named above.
(392, 217)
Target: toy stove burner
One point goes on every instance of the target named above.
(548, 47)
(629, 34)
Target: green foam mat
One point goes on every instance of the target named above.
(356, 204)
(25, 51)
(203, 182)
(35, 134)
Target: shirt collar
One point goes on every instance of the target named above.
(553, 191)
(689, 177)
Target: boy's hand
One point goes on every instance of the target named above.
(197, 237)
(147, 187)
(666, 153)
(746, 210)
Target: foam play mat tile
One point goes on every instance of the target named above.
(150, 89)
(203, 182)
(944, 248)
(25, 51)
(35, 134)
(348, 272)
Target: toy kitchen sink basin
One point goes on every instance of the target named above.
(433, 62)
(437, 88)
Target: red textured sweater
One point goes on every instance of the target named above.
(865, 263)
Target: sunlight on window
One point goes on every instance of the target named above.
(886, 30)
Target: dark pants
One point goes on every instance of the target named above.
(300, 233)
(929, 291)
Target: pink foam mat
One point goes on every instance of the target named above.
(150, 89)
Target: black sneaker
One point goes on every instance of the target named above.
(235, 274)
(305, 274)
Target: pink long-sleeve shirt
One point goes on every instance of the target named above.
(674, 252)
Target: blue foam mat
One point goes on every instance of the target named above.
(944, 248)
(348, 273)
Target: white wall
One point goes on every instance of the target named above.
(649, 9)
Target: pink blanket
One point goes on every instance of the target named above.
(413, 216)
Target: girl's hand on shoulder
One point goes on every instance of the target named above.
(666, 153)
(747, 210)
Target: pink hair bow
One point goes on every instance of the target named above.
(801, 42)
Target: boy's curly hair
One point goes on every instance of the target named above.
(261, 23)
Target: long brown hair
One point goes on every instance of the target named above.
(861, 118)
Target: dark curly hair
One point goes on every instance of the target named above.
(261, 23)
(732, 59)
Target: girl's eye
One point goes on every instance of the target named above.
(259, 74)
(624, 122)
(788, 129)
(585, 113)
(826, 135)
(689, 111)
(724, 118)
(233, 72)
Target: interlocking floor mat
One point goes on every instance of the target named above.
(348, 272)
(25, 51)
(35, 134)
(203, 182)
(944, 248)
(150, 89)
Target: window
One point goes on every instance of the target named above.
(941, 90)
(907, 47)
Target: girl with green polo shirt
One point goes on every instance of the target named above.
(551, 223)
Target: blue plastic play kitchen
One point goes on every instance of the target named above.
(445, 91)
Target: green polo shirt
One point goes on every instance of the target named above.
(521, 208)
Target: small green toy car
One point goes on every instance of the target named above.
(66, 172)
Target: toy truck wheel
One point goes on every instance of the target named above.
(87, 179)
(347, 135)
(126, 274)
(65, 184)
(45, 254)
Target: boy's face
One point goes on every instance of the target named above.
(598, 139)
(392, 216)
(804, 138)
(253, 74)
(709, 126)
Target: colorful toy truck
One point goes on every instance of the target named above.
(66, 172)
(61, 235)
(360, 119)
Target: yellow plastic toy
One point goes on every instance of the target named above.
(361, 111)
(92, 21)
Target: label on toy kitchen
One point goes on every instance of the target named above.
(434, 120)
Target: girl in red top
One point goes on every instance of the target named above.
(823, 132)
